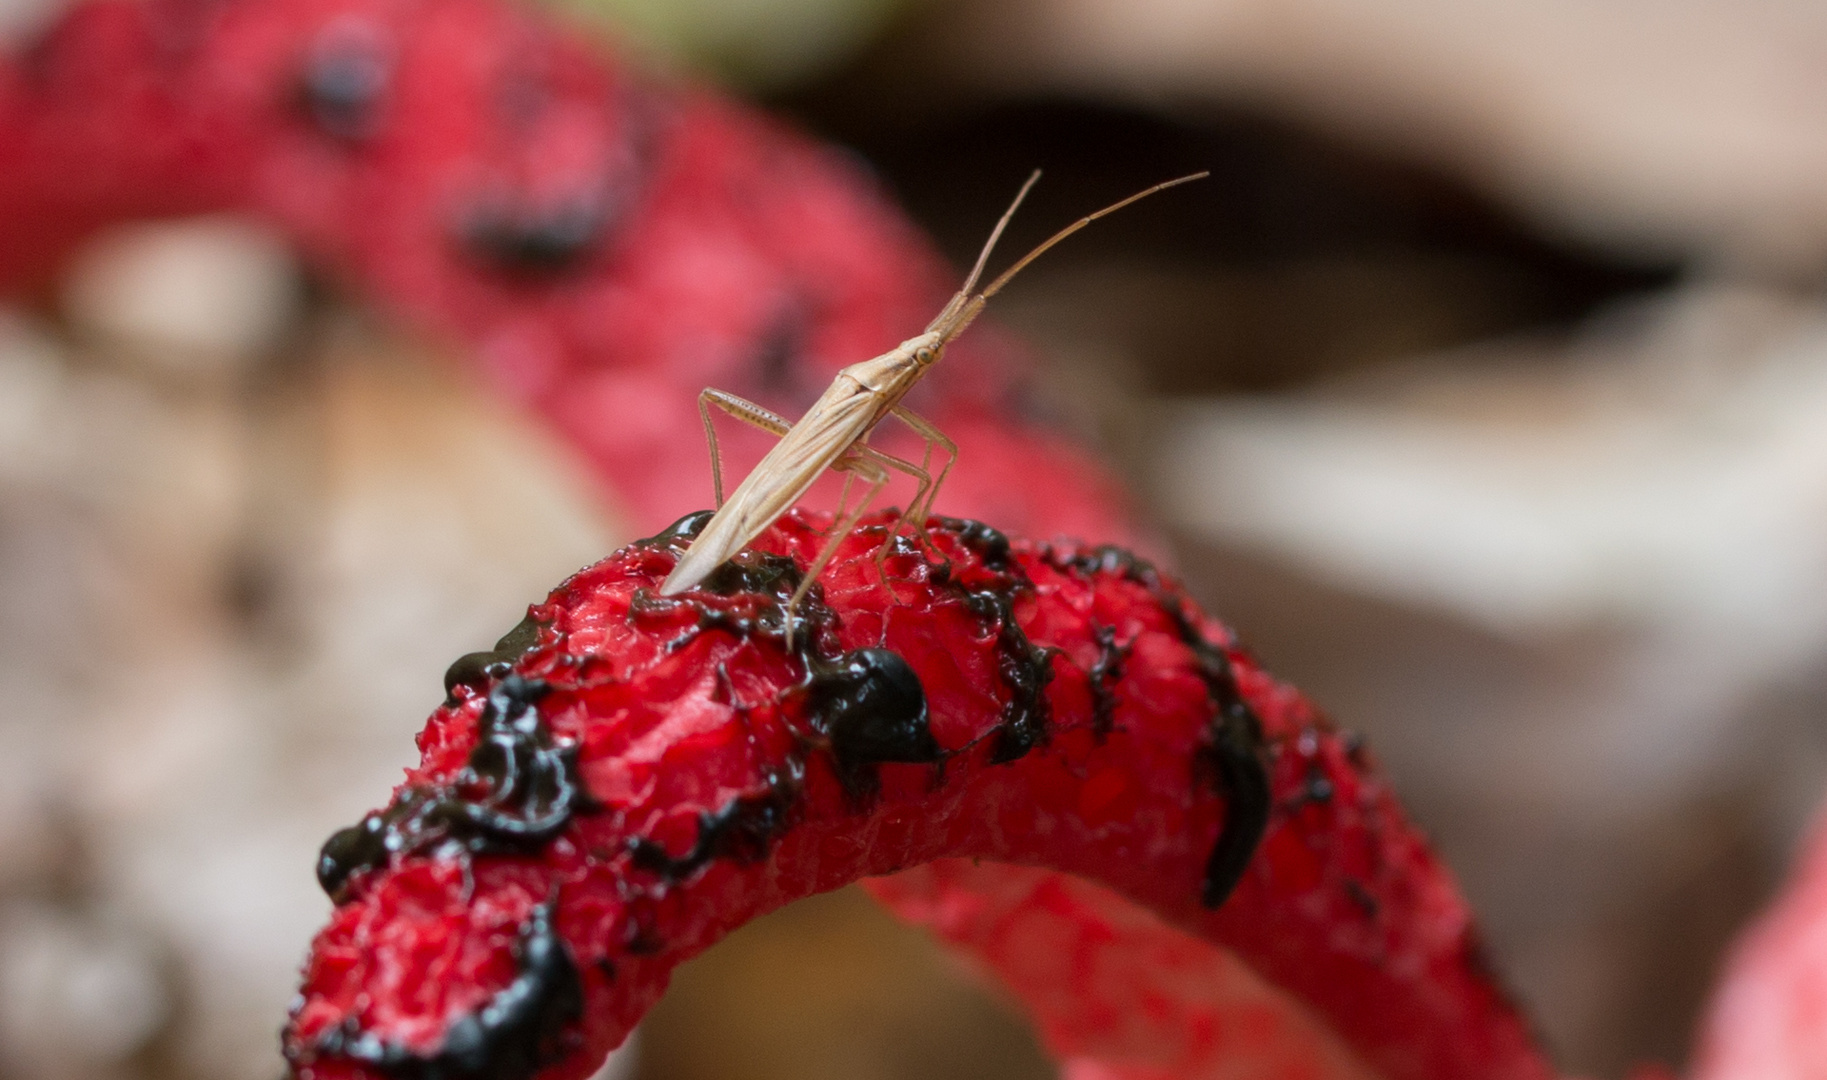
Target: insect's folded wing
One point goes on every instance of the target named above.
(785, 474)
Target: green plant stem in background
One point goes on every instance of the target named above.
(753, 44)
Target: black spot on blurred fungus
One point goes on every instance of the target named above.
(346, 79)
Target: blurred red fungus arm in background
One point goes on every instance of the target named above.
(1768, 1018)
(1051, 705)
(606, 247)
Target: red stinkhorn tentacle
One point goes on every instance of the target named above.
(634, 776)
(1768, 1017)
(1116, 993)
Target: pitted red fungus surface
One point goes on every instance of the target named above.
(728, 773)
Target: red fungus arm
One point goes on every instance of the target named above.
(650, 773)
(1765, 1019)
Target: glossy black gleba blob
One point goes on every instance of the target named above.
(362, 846)
(1106, 672)
(474, 670)
(990, 544)
(518, 791)
(1025, 668)
(747, 571)
(522, 1027)
(1233, 747)
(520, 1030)
(679, 535)
(754, 571)
(531, 783)
(870, 704)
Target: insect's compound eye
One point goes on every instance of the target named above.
(925, 354)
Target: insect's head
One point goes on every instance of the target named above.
(928, 347)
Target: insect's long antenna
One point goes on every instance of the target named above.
(1003, 278)
(996, 234)
(965, 305)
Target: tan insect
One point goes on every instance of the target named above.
(834, 432)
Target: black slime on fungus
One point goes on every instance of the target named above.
(475, 670)
(1025, 668)
(1234, 747)
(747, 572)
(677, 536)
(530, 788)
(1232, 750)
(870, 704)
(524, 1027)
(1316, 788)
(988, 543)
(742, 830)
(751, 571)
(534, 239)
(346, 79)
(1106, 671)
(532, 781)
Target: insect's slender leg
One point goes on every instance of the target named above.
(843, 465)
(876, 477)
(746, 411)
(927, 430)
(843, 496)
(921, 477)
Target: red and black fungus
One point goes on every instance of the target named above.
(731, 762)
